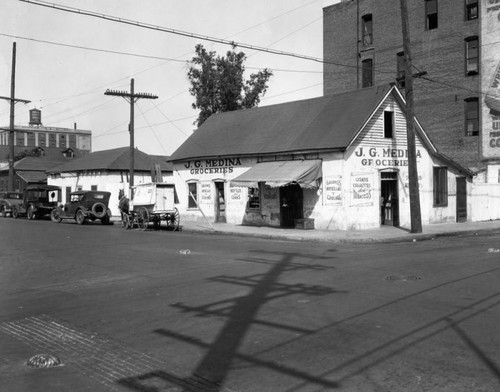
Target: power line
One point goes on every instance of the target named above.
(182, 33)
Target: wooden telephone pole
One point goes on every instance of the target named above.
(13, 101)
(131, 97)
(415, 214)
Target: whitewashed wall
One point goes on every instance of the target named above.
(334, 206)
(110, 182)
(485, 202)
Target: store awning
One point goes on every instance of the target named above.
(280, 173)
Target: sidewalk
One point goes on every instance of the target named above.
(384, 234)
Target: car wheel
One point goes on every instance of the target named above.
(15, 213)
(80, 217)
(99, 210)
(55, 216)
(3, 213)
(31, 212)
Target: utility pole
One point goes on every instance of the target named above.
(131, 97)
(13, 101)
(415, 215)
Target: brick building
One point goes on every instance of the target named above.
(457, 42)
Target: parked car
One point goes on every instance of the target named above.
(84, 205)
(38, 200)
(7, 199)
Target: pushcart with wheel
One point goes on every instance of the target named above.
(152, 203)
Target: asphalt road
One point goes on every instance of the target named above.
(176, 311)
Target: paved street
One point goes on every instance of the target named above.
(184, 311)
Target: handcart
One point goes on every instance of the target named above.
(151, 203)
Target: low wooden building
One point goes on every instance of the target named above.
(333, 162)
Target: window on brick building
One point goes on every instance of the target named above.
(471, 9)
(472, 117)
(367, 73)
(431, 14)
(440, 189)
(472, 55)
(367, 26)
(193, 195)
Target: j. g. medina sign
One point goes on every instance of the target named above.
(377, 156)
(212, 166)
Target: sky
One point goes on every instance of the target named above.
(66, 61)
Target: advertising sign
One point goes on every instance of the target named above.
(490, 77)
(361, 189)
(206, 193)
(333, 191)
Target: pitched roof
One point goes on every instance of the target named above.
(54, 153)
(114, 159)
(323, 123)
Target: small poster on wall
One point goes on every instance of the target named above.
(362, 189)
(236, 194)
(206, 193)
(333, 191)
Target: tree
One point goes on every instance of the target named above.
(218, 83)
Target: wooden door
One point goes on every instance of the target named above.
(461, 199)
(291, 205)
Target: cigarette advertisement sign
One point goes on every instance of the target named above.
(490, 77)
(362, 189)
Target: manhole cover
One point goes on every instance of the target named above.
(43, 361)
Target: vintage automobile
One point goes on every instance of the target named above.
(7, 199)
(83, 206)
(38, 200)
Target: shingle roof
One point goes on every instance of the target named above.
(322, 123)
(114, 159)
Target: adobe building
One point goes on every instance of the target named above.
(333, 162)
(108, 170)
(457, 44)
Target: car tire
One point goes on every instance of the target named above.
(3, 212)
(80, 217)
(55, 216)
(99, 210)
(31, 212)
(15, 212)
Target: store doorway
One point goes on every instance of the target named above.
(220, 203)
(389, 203)
(461, 200)
(291, 204)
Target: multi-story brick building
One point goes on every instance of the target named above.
(457, 44)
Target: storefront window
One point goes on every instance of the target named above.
(193, 195)
(254, 198)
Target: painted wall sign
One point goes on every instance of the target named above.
(361, 189)
(333, 190)
(490, 78)
(384, 157)
(236, 194)
(213, 166)
(205, 192)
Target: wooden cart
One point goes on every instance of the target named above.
(152, 203)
